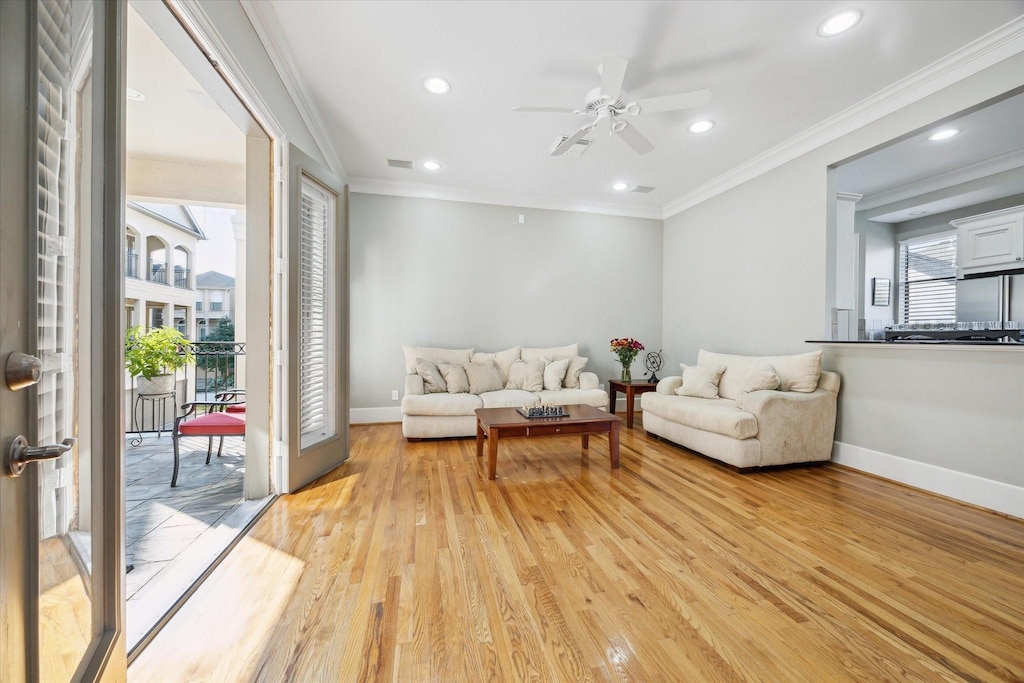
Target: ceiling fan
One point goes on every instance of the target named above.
(609, 105)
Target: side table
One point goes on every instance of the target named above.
(630, 389)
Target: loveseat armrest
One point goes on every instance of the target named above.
(589, 380)
(413, 385)
(792, 426)
(668, 385)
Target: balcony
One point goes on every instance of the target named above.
(131, 264)
(156, 271)
(182, 277)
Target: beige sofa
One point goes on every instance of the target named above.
(428, 415)
(744, 425)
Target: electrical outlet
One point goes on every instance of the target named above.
(522, 219)
(394, 394)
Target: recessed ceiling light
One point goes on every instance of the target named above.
(839, 23)
(431, 165)
(437, 85)
(918, 213)
(620, 187)
(943, 134)
(134, 95)
(702, 126)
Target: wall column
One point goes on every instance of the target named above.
(844, 315)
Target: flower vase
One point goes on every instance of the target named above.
(627, 376)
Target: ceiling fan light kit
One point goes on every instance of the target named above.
(609, 105)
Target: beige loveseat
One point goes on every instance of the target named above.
(745, 424)
(430, 413)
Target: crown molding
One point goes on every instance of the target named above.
(1007, 161)
(267, 27)
(497, 197)
(992, 48)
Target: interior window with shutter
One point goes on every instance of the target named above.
(927, 278)
(315, 346)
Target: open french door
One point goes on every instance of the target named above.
(61, 277)
(317, 344)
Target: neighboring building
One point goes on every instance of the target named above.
(160, 253)
(215, 299)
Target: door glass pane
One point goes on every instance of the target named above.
(65, 544)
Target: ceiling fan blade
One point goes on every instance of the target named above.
(573, 139)
(553, 110)
(635, 139)
(683, 100)
(613, 72)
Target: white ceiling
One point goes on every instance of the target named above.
(770, 75)
(178, 120)
(984, 161)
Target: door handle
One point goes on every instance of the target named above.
(22, 370)
(20, 453)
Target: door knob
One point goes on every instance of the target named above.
(22, 370)
(20, 453)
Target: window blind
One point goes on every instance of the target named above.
(314, 296)
(928, 278)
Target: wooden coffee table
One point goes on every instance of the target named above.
(496, 423)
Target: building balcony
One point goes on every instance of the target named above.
(156, 271)
(131, 264)
(182, 277)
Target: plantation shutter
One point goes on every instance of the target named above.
(54, 262)
(927, 283)
(314, 297)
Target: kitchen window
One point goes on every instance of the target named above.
(927, 278)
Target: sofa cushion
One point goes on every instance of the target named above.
(572, 374)
(720, 416)
(503, 359)
(508, 398)
(700, 381)
(441, 404)
(762, 378)
(433, 380)
(554, 374)
(552, 353)
(455, 377)
(596, 398)
(483, 377)
(526, 376)
(450, 356)
(796, 373)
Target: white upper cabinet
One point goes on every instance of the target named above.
(990, 242)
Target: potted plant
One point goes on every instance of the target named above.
(153, 357)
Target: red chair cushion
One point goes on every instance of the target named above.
(240, 408)
(214, 424)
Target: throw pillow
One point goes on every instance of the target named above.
(483, 377)
(414, 353)
(572, 375)
(760, 378)
(701, 381)
(554, 353)
(455, 377)
(503, 359)
(554, 373)
(526, 376)
(433, 381)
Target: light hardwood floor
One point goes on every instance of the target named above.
(407, 564)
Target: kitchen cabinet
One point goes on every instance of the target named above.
(990, 242)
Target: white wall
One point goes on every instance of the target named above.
(453, 274)
(745, 272)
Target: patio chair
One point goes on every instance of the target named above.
(217, 422)
(237, 396)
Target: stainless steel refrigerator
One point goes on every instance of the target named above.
(996, 298)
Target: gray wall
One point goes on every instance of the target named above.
(458, 275)
(745, 272)
(878, 260)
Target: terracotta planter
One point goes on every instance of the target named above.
(159, 384)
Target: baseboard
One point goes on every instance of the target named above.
(359, 416)
(969, 488)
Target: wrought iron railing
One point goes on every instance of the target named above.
(156, 271)
(215, 369)
(131, 264)
(181, 276)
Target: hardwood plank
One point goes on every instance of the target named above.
(408, 564)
